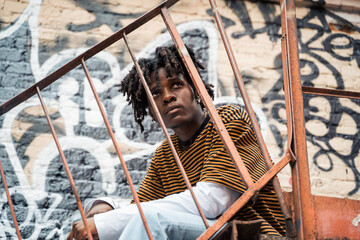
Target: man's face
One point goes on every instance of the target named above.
(175, 100)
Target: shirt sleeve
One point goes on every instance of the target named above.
(114, 204)
(214, 200)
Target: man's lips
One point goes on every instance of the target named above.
(172, 109)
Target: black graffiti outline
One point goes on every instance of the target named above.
(275, 94)
(102, 14)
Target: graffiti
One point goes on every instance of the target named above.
(335, 45)
(337, 110)
(103, 15)
(44, 204)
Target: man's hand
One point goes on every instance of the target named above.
(78, 230)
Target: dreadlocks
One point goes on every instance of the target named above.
(167, 57)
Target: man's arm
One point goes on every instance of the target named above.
(213, 198)
(108, 223)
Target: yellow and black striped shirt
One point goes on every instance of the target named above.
(206, 160)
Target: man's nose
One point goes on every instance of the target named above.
(168, 96)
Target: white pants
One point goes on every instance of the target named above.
(165, 225)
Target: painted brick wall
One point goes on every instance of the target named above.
(37, 37)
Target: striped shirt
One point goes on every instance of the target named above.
(205, 159)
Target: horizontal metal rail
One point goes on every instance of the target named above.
(330, 92)
(23, 96)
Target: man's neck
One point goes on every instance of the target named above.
(187, 131)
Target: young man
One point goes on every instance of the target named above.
(169, 209)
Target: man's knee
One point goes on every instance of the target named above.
(151, 215)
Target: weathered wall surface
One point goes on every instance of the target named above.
(36, 37)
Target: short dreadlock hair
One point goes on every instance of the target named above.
(167, 57)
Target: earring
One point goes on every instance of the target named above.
(197, 98)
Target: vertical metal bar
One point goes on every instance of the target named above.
(117, 148)
(10, 202)
(162, 124)
(290, 124)
(287, 93)
(249, 109)
(305, 211)
(240, 83)
(290, 230)
(220, 127)
(67, 169)
(290, 117)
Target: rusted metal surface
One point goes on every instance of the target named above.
(117, 148)
(273, 237)
(66, 166)
(290, 228)
(300, 171)
(343, 5)
(246, 197)
(220, 127)
(335, 218)
(296, 153)
(236, 229)
(86, 55)
(330, 92)
(250, 111)
(162, 124)
(11, 206)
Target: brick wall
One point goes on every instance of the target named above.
(37, 37)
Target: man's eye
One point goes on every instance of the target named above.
(155, 93)
(177, 84)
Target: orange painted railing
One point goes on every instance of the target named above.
(296, 153)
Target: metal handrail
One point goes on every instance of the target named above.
(253, 188)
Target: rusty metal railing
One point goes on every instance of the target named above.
(296, 146)
(255, 125)
(304, 210)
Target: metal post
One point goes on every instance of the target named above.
(305, 221)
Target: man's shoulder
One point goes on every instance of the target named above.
(232, 112)
(164, 147)
(229, 108)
